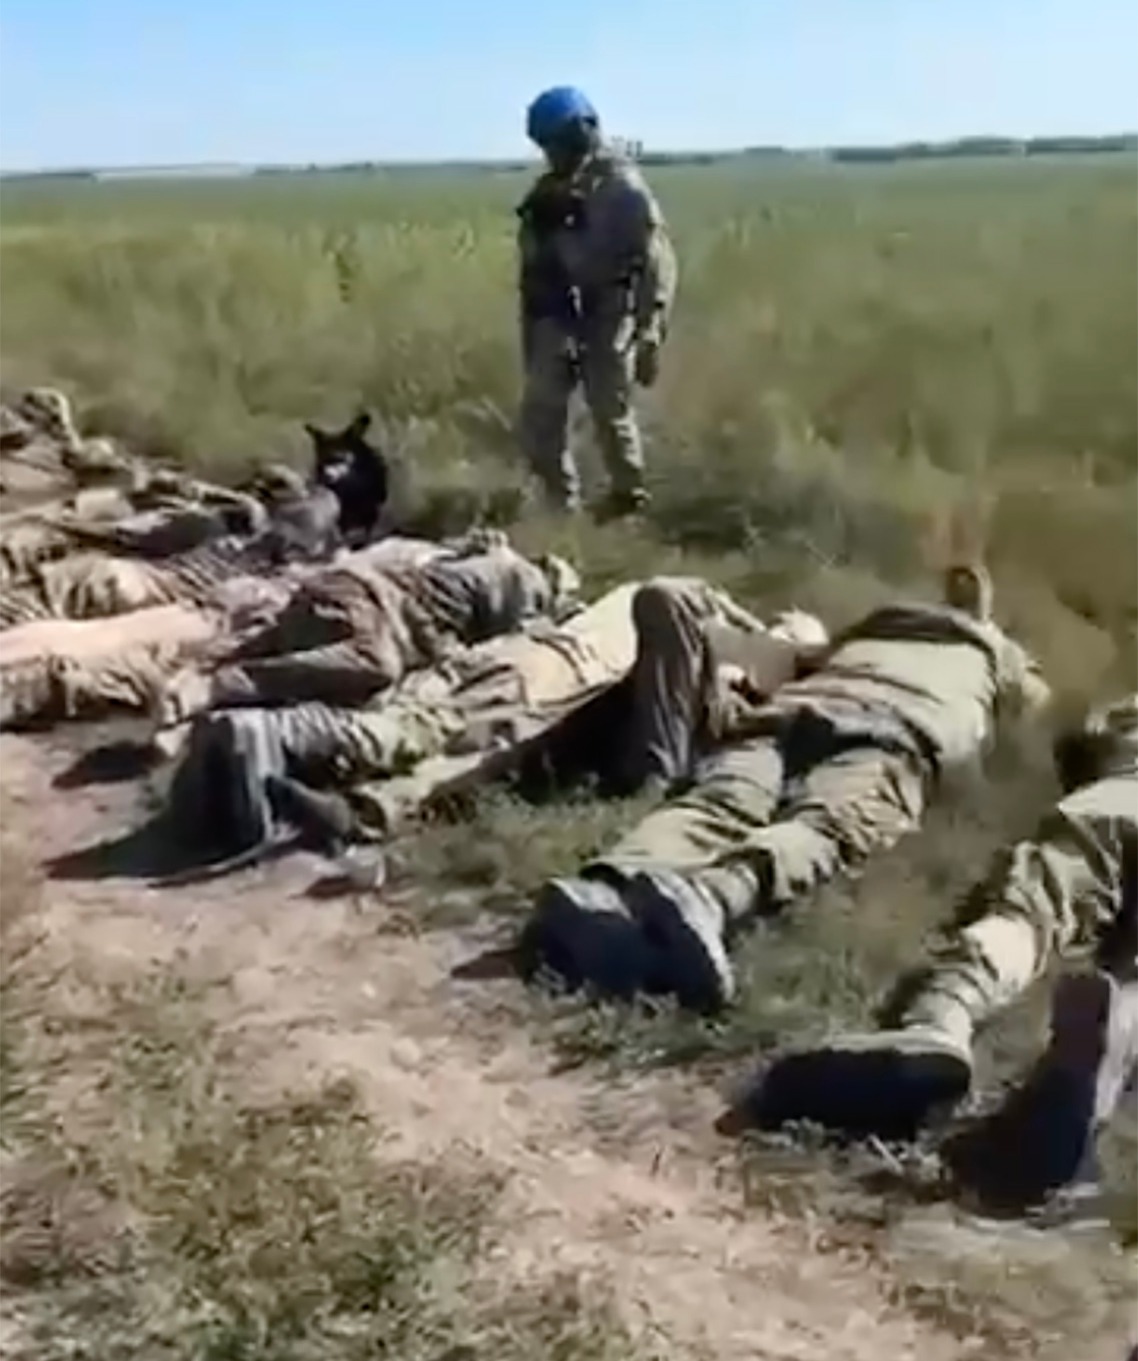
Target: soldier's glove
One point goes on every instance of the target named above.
(647, 359)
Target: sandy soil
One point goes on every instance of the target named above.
(624, 1177)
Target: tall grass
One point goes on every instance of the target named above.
(863, 362)
(858, 355)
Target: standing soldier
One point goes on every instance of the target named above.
(598, 276)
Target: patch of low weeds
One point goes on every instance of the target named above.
(498, 857)
(163, 1212)
(1005, 1289)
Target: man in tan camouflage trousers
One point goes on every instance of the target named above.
(598, 278)
(83, 668)
(160, 515)
(340, 635)
(357, 627)
(458, 718)
(476, 700)
(836, 766)
(1070, 890)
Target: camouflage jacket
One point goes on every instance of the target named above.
(596, 243)
(928, 670)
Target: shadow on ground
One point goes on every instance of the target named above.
(117, 762)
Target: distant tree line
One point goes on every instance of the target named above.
(911, 151)
(988, 146)
(851, 155)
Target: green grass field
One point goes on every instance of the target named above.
(859, 356)
(867, 366)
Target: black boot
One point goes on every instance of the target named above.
(620, 505)
(1041, 1140)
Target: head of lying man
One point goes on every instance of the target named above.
(1102, 744)
(968, 588)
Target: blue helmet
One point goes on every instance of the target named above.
(553, 111)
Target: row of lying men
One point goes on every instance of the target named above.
(780, 757)
(61, 494)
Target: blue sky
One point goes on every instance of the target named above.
(122, 82)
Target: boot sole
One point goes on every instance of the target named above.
(887, 1093)
(582, 933)
(699, 977)
(1037, 1142)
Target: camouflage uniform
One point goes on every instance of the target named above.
(97, 585)
(479, 699)
(40, 428)
(687, 691)
(48, 532)
(598, 277)
(360, 626)
(833, 768)
(64, 669)
(161, 516)
(1070, 890)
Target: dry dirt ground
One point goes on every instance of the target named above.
(622, 1177)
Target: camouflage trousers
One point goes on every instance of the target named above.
(796, 804)
(89, 586)
(481, 699)
(604, 368)
(24, 544)
(680, 704)
(1066, 894)
(82, 669)
(97, 521)
(331, 643)
(231, 754)
(47, 531)
(798, 793)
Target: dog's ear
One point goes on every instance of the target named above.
(315, 434)
(359, 426)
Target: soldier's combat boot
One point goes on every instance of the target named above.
(888, 1083)
(621, 505)
(684, 918)
(1042, 1139)
(582, 932)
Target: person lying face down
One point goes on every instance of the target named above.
(837, 764)
(58, 669)
(462, 717)
(479, 711)
(1069, 891)
(160, 515)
